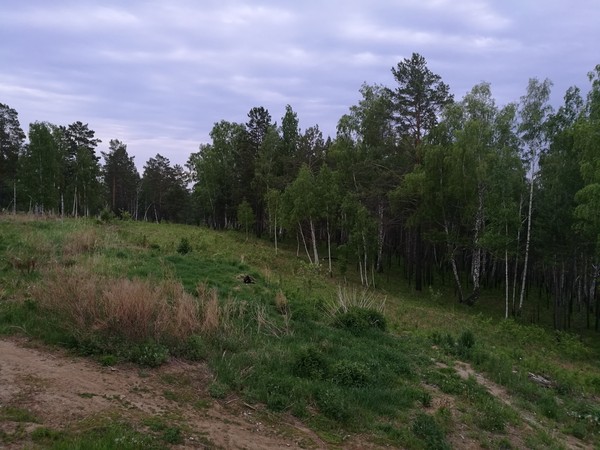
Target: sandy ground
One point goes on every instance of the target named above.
(64, 391)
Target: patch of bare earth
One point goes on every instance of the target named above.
(514, 435)
(66, 392)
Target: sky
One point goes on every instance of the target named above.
(157, 75)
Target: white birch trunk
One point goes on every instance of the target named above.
(313, 237)
(304, 242)
(380, 238)
(528, 239)
(453, 263)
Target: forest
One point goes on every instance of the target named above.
(441, 191)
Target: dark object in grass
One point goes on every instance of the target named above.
(248, 279)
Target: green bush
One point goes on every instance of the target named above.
(195, 348)
(218, 390)
(359, 320)
(333, 404)
(184, 246)
(426, 428)
(310, 363)
(350, 374)
(149, 354)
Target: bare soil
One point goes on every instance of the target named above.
(65, 392)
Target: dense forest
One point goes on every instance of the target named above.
(449, 191)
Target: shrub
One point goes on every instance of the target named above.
(310, 363)
(350, 374)
(218, 390)
(426, 428)
(465, 343)
(332, 404)
(184, 246)
(358, 320)
(150, 354)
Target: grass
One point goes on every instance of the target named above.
(341, 359)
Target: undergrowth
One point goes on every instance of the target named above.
(339, 358)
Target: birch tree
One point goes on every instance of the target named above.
(534, 111)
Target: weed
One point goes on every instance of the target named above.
(45, 435)
(184, 246)
(16, 414)
(218, 390)
(149, 354)
(333, 404)
(427, 429)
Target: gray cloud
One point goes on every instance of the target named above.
(158, 74)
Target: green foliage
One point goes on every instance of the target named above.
(218, 390)
(333, 404)
(359, 320)
(184, 246)
(427, 429)
(310, 362)
(350, 374)
(149, 354)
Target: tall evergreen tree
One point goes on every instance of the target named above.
(121, 179)
(40, 169)
(12, 139)
(83, 169)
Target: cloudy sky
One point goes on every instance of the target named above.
(158, 74)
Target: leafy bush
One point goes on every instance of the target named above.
(218, 390)
(150, 354)
(358, 320)
(333, 404)
(310, 363)
(350, 374)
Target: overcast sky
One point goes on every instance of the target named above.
(158, 74)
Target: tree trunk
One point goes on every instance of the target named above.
(314, 242)
(506, 282)
(329, 248)
(304, 242)
(528, 240)
(380, 238)
(419, 261)
(453, 264)
(275, 235)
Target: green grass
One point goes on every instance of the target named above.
(351, 372)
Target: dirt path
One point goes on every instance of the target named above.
(63, 392)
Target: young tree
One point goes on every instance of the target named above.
(302, 208)
(534, 111)
(245, 216)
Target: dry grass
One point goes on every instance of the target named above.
(136, 310)
(84, 241)
(281, 302)
(354, 298)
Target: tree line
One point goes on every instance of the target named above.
(451, 191)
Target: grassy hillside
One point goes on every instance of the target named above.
(390, 366)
